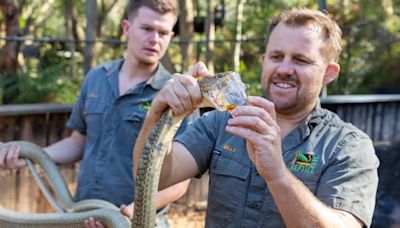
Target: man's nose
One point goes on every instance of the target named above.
(285, 67)
(154, 37)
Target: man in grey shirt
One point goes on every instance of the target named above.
(282, 160)
(110, 111)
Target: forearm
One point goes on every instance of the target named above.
(170, 194)
(300, 208)
(68, 150)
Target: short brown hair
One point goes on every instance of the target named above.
(330, 30)
(161, 6)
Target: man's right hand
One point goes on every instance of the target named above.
(127, 210)
(182, 92)
(9, 157)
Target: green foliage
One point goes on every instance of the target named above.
(51, 84)
(369, 60)
(371, 50)
(251, 78)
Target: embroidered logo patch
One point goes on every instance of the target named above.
(229, 148)
(145, 106)
(93, 95)
(304, 162)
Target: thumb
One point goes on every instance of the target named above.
(199, 70)
(21, 163)
(127, 210)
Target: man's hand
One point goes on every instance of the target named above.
(92, 223)
(257, 124)
(127, 210)
(182, 92)
(9, 157)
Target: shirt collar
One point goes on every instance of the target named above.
(159, 77)
(305, 127)
(112, 67)
(312, 120)
(156, 80)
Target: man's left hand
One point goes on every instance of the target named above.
(257, 124)
(92, 223)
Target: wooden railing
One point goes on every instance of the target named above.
(377, 115)
(43, 124)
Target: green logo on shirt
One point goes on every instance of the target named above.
(304, 162)
(145, 106)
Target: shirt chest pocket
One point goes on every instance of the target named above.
(94, 117)
(228, 184)
(309, 180)
(133, 121)
(308, 170)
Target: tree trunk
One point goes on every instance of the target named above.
(167, 63)
(103, 13)
(388, 7)
(322, 5)
(210, 35)
(237, 48)
(69, 27)
(186, 33)
(9, 52)
(91, 25)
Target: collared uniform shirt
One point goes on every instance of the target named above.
(111, 124)
(334, 159)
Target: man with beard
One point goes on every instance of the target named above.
(281, 160)
(111, 109)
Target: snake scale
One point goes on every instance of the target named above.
(73, 213)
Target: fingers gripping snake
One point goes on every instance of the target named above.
(214, 90)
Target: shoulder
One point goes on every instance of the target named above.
(217, 116)
(104, 69)
(212, 122)
(338, 134)
(160, 77)
(332, 121)
(345, 138)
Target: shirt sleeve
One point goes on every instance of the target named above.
(350, 180)
(200, 137)
(77, 119)
(188, 120)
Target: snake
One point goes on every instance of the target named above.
(219, 91)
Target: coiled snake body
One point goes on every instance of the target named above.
(72, 213)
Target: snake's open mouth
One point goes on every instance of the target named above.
(225, 92)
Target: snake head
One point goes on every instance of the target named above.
(223, 91)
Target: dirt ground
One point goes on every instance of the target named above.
(183, 216)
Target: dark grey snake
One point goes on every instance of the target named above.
(219, 92)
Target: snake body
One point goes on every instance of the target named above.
(147, 176)
(162, 135)
(75, 212)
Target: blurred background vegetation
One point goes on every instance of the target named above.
(46, 46)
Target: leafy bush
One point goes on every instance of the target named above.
(51, 84)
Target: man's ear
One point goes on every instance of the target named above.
(331, 73)
(262, 57)
(125, 27)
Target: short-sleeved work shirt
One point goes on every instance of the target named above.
(111, 124)
(334, 159)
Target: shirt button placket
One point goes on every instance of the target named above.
(254, 205)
